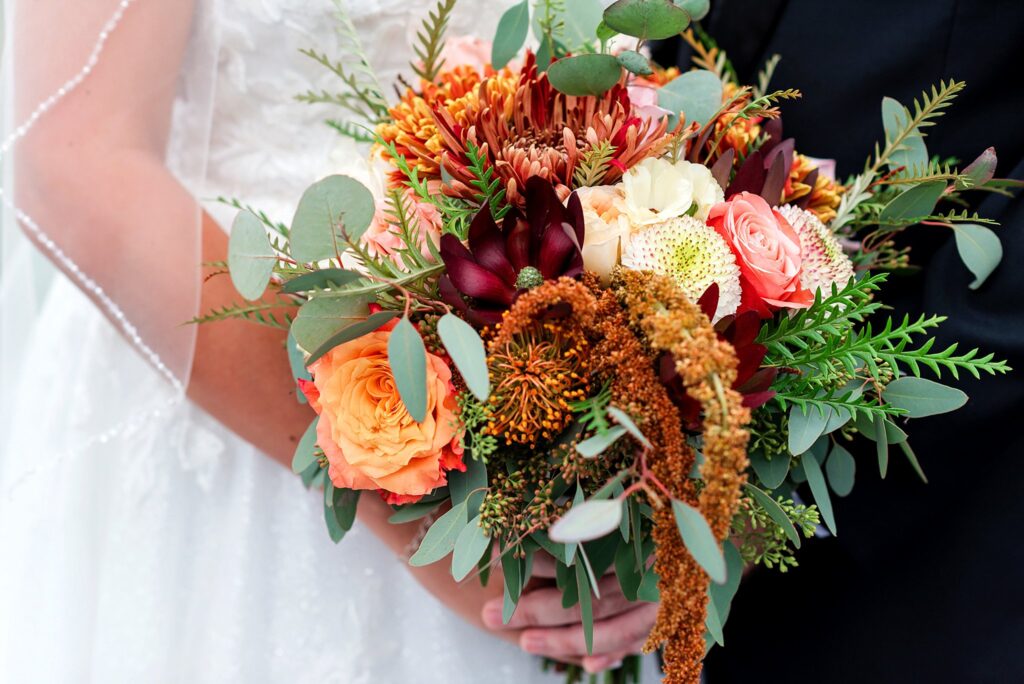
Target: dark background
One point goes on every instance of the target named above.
(923, 582)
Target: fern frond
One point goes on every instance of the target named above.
(764, 77)
(431, 41)
(258, 312)
(594, 164)
(275, 226)
(352, 130)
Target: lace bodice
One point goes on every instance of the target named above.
(265, 146)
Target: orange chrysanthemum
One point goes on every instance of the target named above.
(825, 192)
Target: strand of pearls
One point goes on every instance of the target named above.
(43, 240)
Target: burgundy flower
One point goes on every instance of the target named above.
(752, 381)
(484, 279)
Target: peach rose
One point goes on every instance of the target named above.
(767, 250)
(366, 432)
(607, 226)
(382, 238)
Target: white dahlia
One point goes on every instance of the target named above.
(691, 253)
(824, 261)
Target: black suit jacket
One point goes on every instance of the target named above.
(924, 583)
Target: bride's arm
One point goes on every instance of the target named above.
(93, 177)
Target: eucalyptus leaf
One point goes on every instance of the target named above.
(627, 571)
(699, 540)
(251, 258)
(586, 606)
(841, 469)
(647, 19)
(912, 458)
(979, 171)
(335, 530)
(816, 481)
(806, 425)
(866, 426)
(511, 34)
(980, 249)
(775, 511)
(578, 21)
(305, 452)
(349, 333)
(440, 538)
(470, 485)
(771, 472)
(470, 546)
(297, 364)
(321, 318)
(635, 63)
(721, 595)
(464, 345)
(330, 210)
(587, 74)
(921, 397)
(623, 419)
(408, 359)
(321, 279)
(695, 94)
(413, 511)
(586, 521)
(912, 153)
(344, 503)
(648, 590)
(512, 570)
(697, 9)
(914, 203)
(596, 445)
(881, 445)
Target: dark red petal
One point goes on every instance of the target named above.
(708, 301)
(452, 248)
(476, 281)
(745, 329)
(752, 401)
(575, 210)
(761, 381)
(450, 295)
(720, 171)
(517, 243)
(775, 181)
(484, 317)
(488, 246)
(749, 177)
(555, 250)
(809, 181)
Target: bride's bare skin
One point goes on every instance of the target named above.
(116, 132)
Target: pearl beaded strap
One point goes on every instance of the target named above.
(85, 282)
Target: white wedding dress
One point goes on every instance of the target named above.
(152, 544)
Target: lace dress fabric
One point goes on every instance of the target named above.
(164, 548)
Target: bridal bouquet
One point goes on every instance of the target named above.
(604, 310)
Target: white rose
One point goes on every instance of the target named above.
(657, 190)
(606, 227)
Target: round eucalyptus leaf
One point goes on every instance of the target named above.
(912, 152)
(841, 469)
(587, 520)
(805, 427)
(250, 256)
(590, 74)
(696, 94)
(647, 19)
(697, 9)
(635, 63)
(980, 249)
(331, 210)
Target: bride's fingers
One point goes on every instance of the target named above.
(612, 636)
(543, 607)
(600, 663)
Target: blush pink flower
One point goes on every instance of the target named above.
(767, 250)
(383, 239)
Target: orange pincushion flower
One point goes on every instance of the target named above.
(825, 193)
(370, 440)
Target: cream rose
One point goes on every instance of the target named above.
(607, 227)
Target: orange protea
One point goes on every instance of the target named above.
(534, 130)
(537, 374)
(412, 128)
(824, 192)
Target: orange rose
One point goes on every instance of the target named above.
(369, 437)
(767, 251)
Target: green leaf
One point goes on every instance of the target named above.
(596, 445)
(772, 472)
(979, 171)
(913, 203)
(413, 511)
(511, 34)
(356, 330)
(297, 364)
(699, 540)
(841, 469)
(921, 397)
(635, 63)
(464, 345)
(697, 9)
(344, 503)
(625, 421)
(605, 32)
(251, 258)
(866, 426)
(330, 210)
(912, 457)
(588, 74)
(816, 481)
(333, 528)
(321, 318)
(586, 521)
(305, 452)
(440, 538)
(980, 249)
(806, 425)
(627, 571)
(648, 590)
(586, 606)
(408, 359)
(321, 279)
(554, 549)
(512, 570)
(470, 546)
(646, 19)
(720, 596)
(881, 445)
(774, 510)
(695, 94)
(578, 23)
(469, 486)
(913, 153)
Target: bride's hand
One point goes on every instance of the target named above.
(543, 627)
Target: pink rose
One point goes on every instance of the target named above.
(644, 99)
(767, 250)
(382, 238)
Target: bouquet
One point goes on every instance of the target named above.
(604, 310)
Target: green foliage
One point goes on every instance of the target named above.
(332, 213)
(352, 130)
(431, 41)
(647, 19)
(511, 34)
(362, 95)
(699, 540)
(473, 415)
(592, 412)
(697, 95)
(259, 312)
(441, 537)
(763, 541)
(979, 248)
(251, 257)
(594, 164)
(466, 349)
(407, 357)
